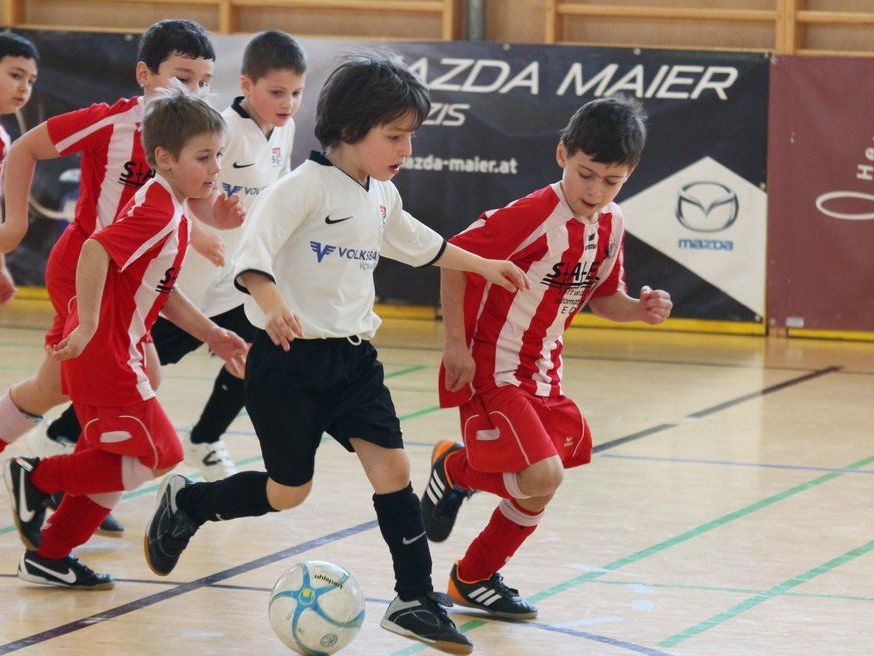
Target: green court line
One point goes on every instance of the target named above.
(661, 546)
(762, 597)
(717, 588)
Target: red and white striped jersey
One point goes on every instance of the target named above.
(516, 337)
(113, 163)
(4, 149)
(146, 247)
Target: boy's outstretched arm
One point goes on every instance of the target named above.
(206, 241)
(282, 326)
(457, 360)
(500, 272)
(32, 146)
(224, 343)
(653, 306)
(90, 280)
(219, 210)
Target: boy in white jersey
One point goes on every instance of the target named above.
(258, 145)
(125, 276)
(19, 61)
(307, 258)
(502, 354)
(114, 166)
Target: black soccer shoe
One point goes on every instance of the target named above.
(491, 595)
(170, 529)
(425, 619)
(441, 501)
(65, 572)
(28, 503)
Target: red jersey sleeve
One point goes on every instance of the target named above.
(144, 222)
(76, 131)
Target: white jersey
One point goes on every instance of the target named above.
(251, 162)
(318, 234)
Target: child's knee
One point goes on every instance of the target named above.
(542, 479)
(283, 497)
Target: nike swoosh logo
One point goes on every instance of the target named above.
(487, 435)
(331, 221)
(243, 166)
(24, 512)
(67, 577)
(408, 542)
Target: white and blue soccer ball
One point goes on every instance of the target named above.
(316, 608)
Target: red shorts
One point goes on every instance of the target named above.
(61, 279)
(142, 431)
(507, 429)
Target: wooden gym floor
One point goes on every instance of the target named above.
(727, 511)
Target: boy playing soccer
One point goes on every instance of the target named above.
(258, 150)
(307, 258)
(502, 354)
(125, 277)
(113, 167)
(19, 61)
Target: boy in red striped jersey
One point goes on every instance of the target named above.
(19, 61)
(113, 166)
(125, 276)
(502, 354)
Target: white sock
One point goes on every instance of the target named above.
(14, 422)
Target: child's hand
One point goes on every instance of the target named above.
(7, 286)
(230, 348)
(208, 243)
(506, 274)
(282, 327)
(459, 366)
(655, 304)
(228, 212)
(72, 345)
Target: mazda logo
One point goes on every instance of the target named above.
(706, 206)
(826, 204)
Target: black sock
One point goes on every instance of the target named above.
(400, 520)
(240, 495)
(66, 427)
(221, 409)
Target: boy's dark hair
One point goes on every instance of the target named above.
(174, 117)
(271, 51)
(174, 37)
(14, 45)
(365, 91)
(609, 130)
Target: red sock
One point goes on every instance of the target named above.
(460, 473)
(72, 524)
(90, 471)
(508, 528)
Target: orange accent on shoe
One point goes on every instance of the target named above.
(439, 449)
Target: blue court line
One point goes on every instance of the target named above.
(734, 463)
(181, 589)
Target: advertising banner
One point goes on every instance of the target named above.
(821, 194)
(695, 208)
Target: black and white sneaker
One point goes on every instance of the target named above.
(28, 503)
(491, 595)
(441, 501)
(62, 572)
(425, 619)
(170, 529)
(110, 527)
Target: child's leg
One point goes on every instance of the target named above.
(23, 405)
(399, 515)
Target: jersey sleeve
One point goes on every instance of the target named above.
(498, 234)
(274, 219)
(139, 227)
(408, 240)
(75, 131)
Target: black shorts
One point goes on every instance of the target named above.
(320, 386)
(173, 343)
